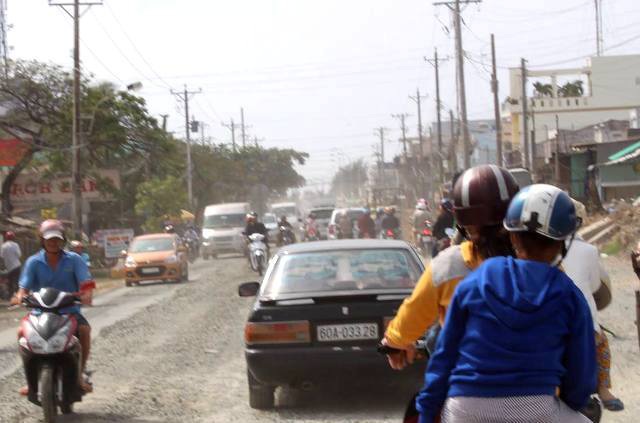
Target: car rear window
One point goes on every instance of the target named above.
(323, 213)
(151, 245)
(343, 270)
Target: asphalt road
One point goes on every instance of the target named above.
(174, 353)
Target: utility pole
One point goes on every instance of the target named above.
(525, 127)
(403, 128)
(76, 142)
(184, 96)
(436, 64)
(454, 145)
(232, 127)
(496, 102)
(533, 141)
(556, 162)
(381, 135)
(462, 98)
(3, 37)
(599, 38)
(164, 122)
(244, 135)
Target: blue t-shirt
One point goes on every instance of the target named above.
(70, 272)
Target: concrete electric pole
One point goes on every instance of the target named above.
(76, 143)
(403, 127)
(496, 103)
(454, 6)
(184, 96)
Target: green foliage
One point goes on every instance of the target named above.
(349, 178)
(543, 90)
(571, 89)
(158, 198)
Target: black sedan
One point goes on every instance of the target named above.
(321, 311)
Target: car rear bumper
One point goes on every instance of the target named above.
(294, 366)
(165, 271)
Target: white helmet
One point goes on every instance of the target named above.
(421, 206)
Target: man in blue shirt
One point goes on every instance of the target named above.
(52, 267)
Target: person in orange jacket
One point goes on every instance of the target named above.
(481, 198)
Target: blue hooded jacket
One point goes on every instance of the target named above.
(513, 328)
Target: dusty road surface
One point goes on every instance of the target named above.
(173, 353)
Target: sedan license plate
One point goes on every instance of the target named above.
(350, 332)
(150, 270)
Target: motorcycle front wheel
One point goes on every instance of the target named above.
(47, 385)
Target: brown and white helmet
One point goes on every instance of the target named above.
(52, 228)
(482, 194)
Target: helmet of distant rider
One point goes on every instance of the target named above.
(482, 194)
(52, 228)
(9, 236)
(421, 206)
(76, 244)
(169, 229)
(312, 215)
(543, 209)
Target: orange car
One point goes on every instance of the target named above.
(156, 257)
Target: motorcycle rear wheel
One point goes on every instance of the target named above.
(47, 387)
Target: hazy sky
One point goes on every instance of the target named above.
(314, 75)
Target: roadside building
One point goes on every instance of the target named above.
(607, 88)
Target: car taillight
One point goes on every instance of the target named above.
(426, 232)
(389, 232)
(277, 333)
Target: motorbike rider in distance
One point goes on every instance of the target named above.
(390, 222)
(444, 220)
(284, 223)
(481, 198)
(311, 228)
(53, 267)
(366, 225)
(254, 226)
(419, 216)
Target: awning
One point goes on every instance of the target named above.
(626, 155)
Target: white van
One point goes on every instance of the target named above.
(222, 227)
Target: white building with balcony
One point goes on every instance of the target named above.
(611, 87)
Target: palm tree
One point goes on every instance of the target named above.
(543, 90)
(571, 89)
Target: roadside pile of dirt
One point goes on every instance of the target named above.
(627, 217)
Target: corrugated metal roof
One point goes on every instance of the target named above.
(620, 154)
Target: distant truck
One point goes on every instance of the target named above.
(222, 227)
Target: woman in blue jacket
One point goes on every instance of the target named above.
(518, 340)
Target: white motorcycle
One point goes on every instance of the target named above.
(258, 255)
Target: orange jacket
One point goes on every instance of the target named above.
(432, 294)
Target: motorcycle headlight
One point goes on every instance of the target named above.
(130, 262)
(171, 259)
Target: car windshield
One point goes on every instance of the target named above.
(219, 221)
(269, 218)
(323, 213)
(345, 270)
(151, 245)
(284, 211)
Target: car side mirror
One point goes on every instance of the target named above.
(248, 289)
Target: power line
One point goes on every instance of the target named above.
(135, 47)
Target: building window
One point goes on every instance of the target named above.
(568, 102)
(541, 103)
(577, 102)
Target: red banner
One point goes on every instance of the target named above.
(11, 151)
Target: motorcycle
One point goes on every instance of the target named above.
(51, 352)
(390, 234)
(286, 234)
(257, 253)
(311, 234)
(425, 238)
(193, 249)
